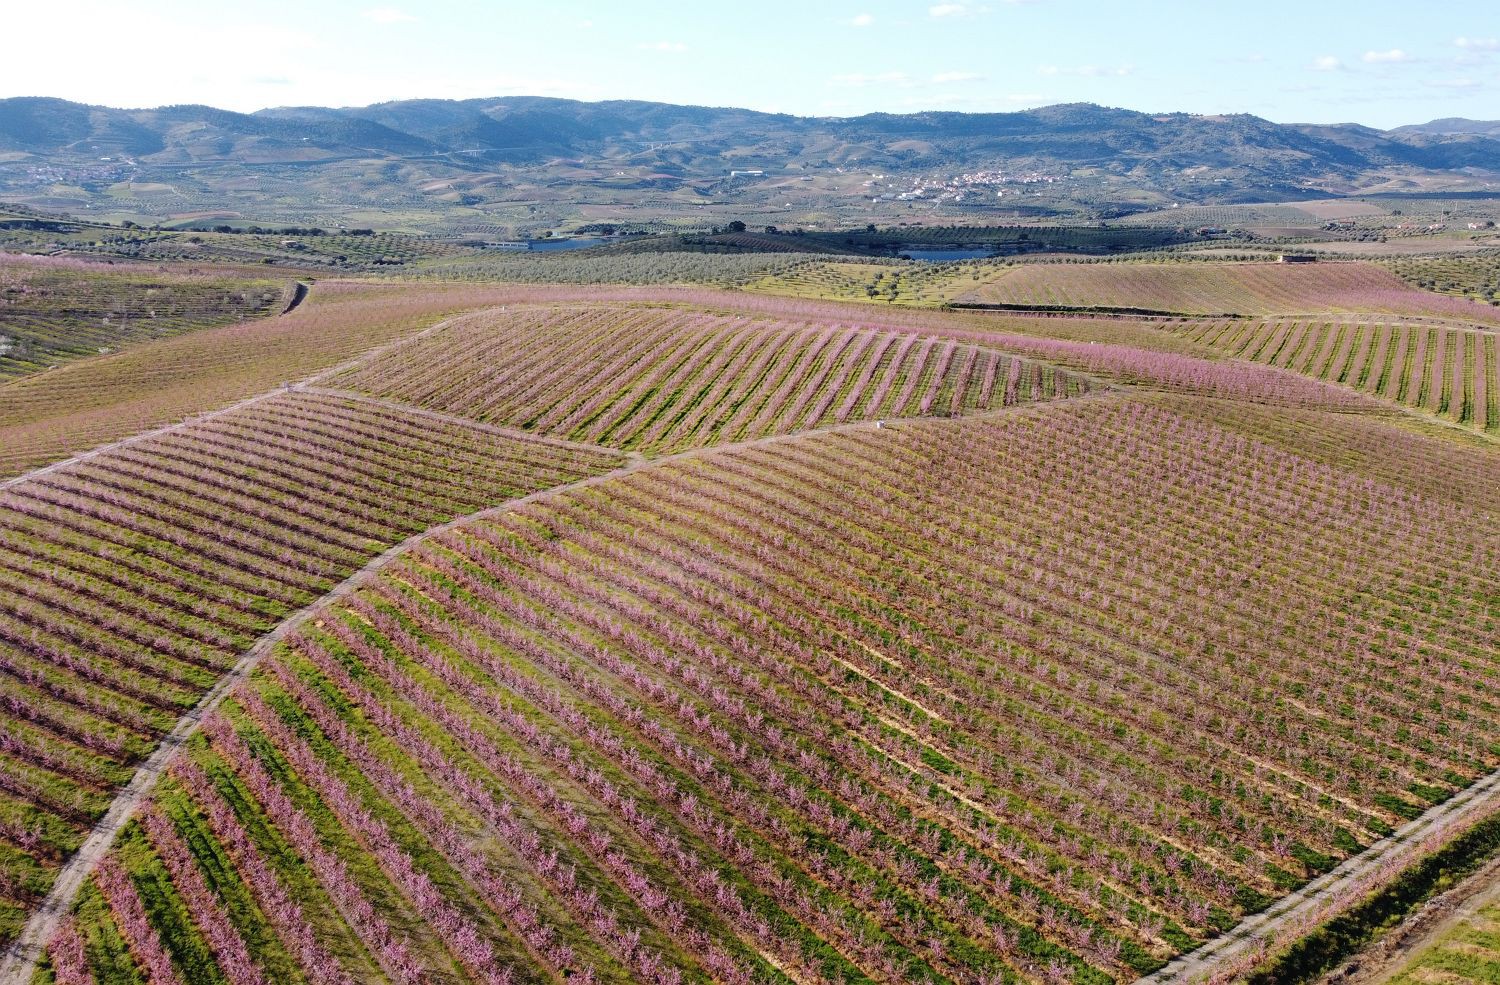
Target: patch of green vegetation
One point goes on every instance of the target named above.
(55, 311)
(1469, 953)
(1401, 808)
(1328, 945)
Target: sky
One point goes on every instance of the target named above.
(1382, 63)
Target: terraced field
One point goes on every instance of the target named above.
(1450, 372)
(131, 581)
(664, 379)
(799, 712)
(52, 311)
(1014, 688)
(52, 415)
(1224, 288)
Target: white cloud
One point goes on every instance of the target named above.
(971, 103)
(387, 15)
(957, 9)
(934, 99)
(1478, 44)
(585, 24)
(1453, 83)
(862, 20)
(1393, 56)
(947, 78)
(1327, 63)
(1088, 71)
(662, 46)
(882, 78)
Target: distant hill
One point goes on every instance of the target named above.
(1451, 126)
(524, 129)
(177, 134)
(659, 147)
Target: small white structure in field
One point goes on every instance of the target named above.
(879, 425)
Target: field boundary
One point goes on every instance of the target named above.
(1425, 929)
(1260, 928)
(298, 295)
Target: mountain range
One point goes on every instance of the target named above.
(525, 130)
(471, 150)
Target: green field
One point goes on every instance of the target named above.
(1467, 954)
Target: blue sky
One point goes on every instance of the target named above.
(1381, 63)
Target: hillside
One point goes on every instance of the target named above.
(446, 156)
(525, 129)
(602, 634)
(52, 310)
(687, 380)
(891, 756)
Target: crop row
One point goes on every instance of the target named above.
(47, 416)
(1224, 288)
(663, 379)
(1454, 373)
(1392, 452)
(1228, 216)
(589, 267)
(1045, 698)
(130, 581)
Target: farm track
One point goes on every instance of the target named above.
(1261, 928)
(299, 294)
(21, 957)
(1427, 929)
